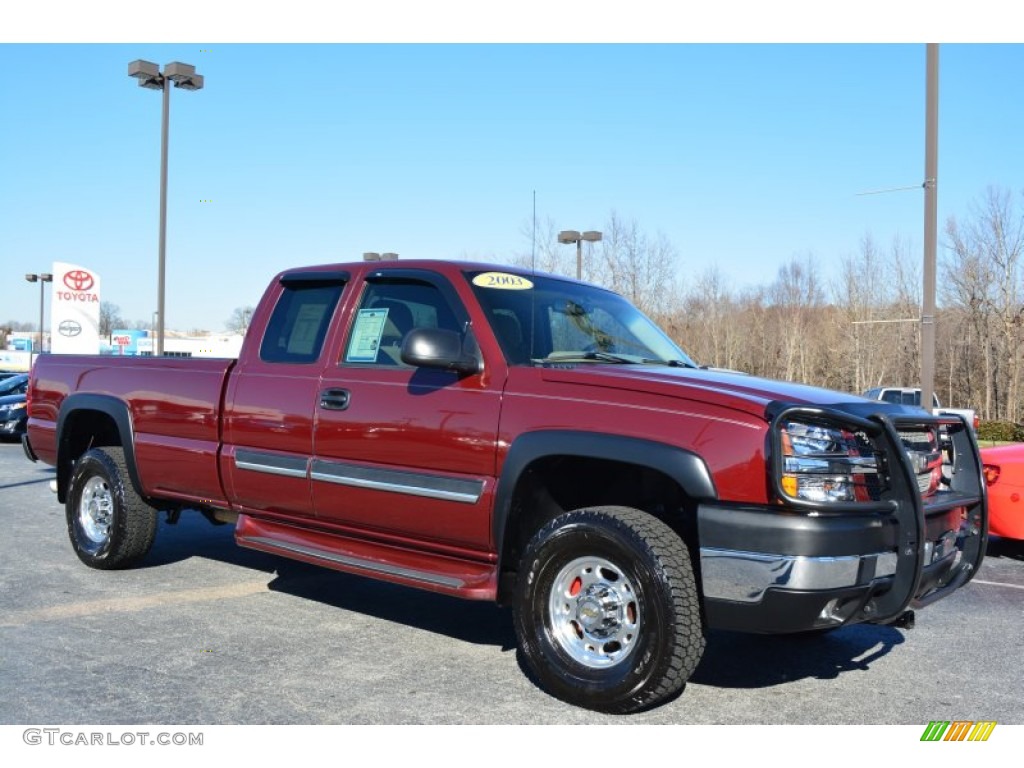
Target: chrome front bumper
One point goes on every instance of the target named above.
(746, 576)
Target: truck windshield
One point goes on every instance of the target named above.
(540, 319)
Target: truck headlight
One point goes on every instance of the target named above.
(827, 463)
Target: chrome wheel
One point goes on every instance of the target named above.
(96, 510)
(595, 614)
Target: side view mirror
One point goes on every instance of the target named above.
(438, 348)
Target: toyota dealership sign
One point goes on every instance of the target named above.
(76, 310)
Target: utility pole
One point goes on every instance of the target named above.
(931, 182)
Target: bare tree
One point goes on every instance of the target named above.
(859, 333)
(796, 297)
(707, 322)
(640, 267)
(983, 281)
(14, 325)
(546, 254)
(240, 319)
(110, 318)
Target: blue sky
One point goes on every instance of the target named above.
(742, 155)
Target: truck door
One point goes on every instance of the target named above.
(404, 452)
(271, 398)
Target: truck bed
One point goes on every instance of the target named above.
(173, 406)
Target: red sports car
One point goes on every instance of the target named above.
(1004, 475)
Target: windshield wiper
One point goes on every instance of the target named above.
(604, 357)
(674, 363)
(611, 357)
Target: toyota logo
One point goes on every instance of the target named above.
(78, 280)
(69, 328)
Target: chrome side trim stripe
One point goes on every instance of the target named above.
(395, 481)
(271, 464)
(357, 562)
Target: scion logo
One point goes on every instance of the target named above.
(78, 280)
(69, 328)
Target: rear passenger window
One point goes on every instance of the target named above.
(298, 326)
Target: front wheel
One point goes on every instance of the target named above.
(109, 524)
(607, 614)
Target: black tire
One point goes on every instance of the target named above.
(607, 613)
(109, 524)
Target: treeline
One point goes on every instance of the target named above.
(849, 332)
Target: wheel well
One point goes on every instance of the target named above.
(83, 429)
(555, 484)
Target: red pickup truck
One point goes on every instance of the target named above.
(497, 434)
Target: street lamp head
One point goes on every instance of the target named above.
(194, 83)
(32, 278)
(568, 236)
(371, 256)
(183, 76)
(178, 70)
(143, 69)
(147, 73)
(46, 277)
(592, 236)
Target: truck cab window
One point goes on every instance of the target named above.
(387, 312)
(298, 326)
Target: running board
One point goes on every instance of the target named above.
(424, 570)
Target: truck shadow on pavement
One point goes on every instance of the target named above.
(47, 474)
(480, 623)
(732, 659)
(1012, 549)
(737, 660)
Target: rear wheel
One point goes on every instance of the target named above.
(109, 524)
(607, 614)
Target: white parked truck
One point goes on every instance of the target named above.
(912, 396)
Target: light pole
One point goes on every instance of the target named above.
(931, 183)
(567, 236)
(150, 76)
(42, 278)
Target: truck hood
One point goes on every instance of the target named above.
(728, 389)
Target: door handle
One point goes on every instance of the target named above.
(334, 399)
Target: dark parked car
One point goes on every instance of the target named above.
(13, 415)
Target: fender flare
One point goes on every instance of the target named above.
(684, 467)
(110, 406)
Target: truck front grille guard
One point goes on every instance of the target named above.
(966, 491)
(904, 503)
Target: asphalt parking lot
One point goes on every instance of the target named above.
(207, 633)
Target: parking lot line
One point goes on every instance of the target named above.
(997, 584)
(131, 604)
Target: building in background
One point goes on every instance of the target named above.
(142, 343)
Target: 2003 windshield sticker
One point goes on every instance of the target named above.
(502, 280)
